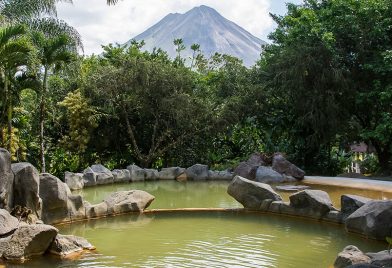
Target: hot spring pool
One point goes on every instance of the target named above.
(201, 239)
(213, 239)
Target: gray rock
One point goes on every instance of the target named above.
(103, 175)
(137, 173)
(96, 211)
(349, 256)
(281, 207)
(76, 209)
(268, 175)
(291, 188)
(28, 241)
(246, 170)
(121, 175)
(312, 203)
(197, 172)
(151, 174)
(54, 195)
(6, 180)
(381, 259)
(350, 203)
(224, 175)
(283, 166)
(251, 194)
(182, 177)
(26, 187)
(334, 216)
(373, 219)
(256, 159)
(170, 173)
(64, 245)
(74, 181)
(8, 223)
(89, 177)
(128, 201)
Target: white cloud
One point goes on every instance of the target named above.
(101, 24)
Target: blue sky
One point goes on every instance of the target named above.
(101, 24)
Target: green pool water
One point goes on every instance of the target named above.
(212, 194)
(214, 239)
(201, 239)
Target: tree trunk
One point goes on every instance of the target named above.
(9, 113)
(42, 120)
(384, 156)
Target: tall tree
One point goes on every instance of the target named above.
(14, 52)
(52, 53)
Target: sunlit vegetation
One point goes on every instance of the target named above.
(322, 84)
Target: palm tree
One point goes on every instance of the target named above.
(14, 52)
(25, 10)
(53, 51)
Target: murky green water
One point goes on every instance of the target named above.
(173, 194)
(208, 240)
(201, 239)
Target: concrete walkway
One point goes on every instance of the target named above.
(366, 184)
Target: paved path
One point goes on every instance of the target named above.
(384, 186)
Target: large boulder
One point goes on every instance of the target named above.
(89, 177)
(381, 259)
(350, 203)
(128, 201)
(246, 170)
(103, 175)
(28, 241)
(54, 194)
(250, 193)
(224, 175)
(283, 166)
(349, 256)
(6, 180)
(170, 173)
(311, 203)
(268, 175)
(373, 219)
(197, 172)
(121, 175)
(8, 223)
(64, 245)
(74, 181)
(136, 173)
(26, 187)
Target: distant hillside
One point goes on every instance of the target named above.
(204, 26)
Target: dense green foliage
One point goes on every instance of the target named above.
(322, 84)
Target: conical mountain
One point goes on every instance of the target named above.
(204, 26)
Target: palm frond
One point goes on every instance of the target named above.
(22, 10)
(52, 27)
(11, 32)
(15, 53)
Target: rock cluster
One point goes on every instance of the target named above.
(351, 256)
(98, 174)
(281, 170)
(49, 199)
(371, 218)
(20, 241)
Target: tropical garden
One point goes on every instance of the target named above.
(324, 82)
